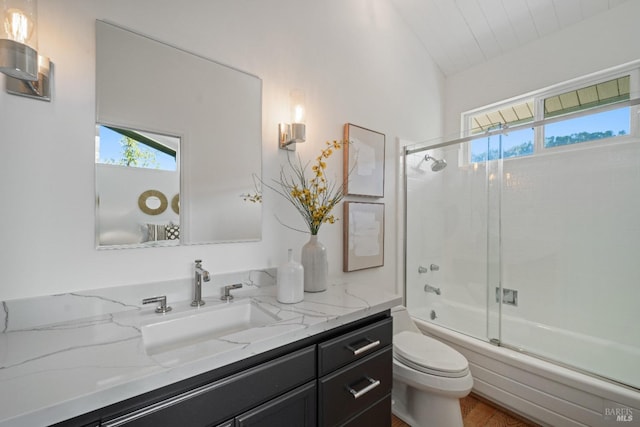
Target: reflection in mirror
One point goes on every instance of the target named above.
(136, 174)
(216, 111)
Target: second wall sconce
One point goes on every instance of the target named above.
(27, 72)
(292, 133)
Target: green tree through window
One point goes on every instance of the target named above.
(133, 154)
(130, 148)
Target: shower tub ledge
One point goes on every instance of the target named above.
(539, 390)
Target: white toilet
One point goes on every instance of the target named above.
(429, 377)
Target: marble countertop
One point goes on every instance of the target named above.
(88, 351)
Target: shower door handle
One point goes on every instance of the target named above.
(360, 350)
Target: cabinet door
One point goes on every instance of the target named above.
(294, 409)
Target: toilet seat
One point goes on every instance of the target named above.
(428, 355)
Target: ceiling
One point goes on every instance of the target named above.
(459, 34)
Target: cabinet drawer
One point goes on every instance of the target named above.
(378, 415)
(216, 402)
(356, 387)
(340, 351)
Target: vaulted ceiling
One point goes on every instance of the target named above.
(459, 34)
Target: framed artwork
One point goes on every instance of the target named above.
(363, 162)
(363, 235)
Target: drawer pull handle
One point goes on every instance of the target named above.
(357, 351)
(372, 384)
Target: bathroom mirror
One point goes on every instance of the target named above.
(207, 115)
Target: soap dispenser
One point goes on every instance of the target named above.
(290, 281)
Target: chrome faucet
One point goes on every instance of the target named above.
(200, 275)
(226, 291)
(162, 300)
(429, 288)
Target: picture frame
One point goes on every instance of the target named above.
(364, 161)
(363, 235)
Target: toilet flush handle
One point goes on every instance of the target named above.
(367, 347)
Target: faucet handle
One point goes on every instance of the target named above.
(226, 291)
(163, 307)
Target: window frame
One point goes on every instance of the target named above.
(538, 97)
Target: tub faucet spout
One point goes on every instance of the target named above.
(200, 275)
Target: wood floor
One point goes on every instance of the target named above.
(478, 412)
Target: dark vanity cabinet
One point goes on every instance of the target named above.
(355, 377)
(341, 377)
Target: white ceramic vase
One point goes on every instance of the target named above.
(316, 267)
(290, 281)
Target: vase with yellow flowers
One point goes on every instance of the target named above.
(314, 196)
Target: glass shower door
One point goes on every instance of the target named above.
(570, 239)
(446, 239)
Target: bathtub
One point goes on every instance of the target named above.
(539, 390)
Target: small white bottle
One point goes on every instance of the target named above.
(290, 281)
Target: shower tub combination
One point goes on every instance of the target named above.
(528, 266)
(543, 391)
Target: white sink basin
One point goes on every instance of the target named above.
(203, 324)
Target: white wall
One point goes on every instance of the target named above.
(354, 60)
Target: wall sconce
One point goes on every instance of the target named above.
(294, 132)
(27, 72)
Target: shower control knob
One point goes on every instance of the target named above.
(434, 267)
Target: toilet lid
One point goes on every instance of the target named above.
(428, 355)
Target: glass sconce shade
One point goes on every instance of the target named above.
(20, 22)
(19, 39)
(297, 106)
(295, 132)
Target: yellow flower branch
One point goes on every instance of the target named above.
(314, 198)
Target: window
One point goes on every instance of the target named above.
(602, 125)
(608, 124)
(575, 113)
(509, 115)
(512, 144)
(129, 148)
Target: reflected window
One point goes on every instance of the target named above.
(132, 148)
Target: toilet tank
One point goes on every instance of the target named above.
(402, 321)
